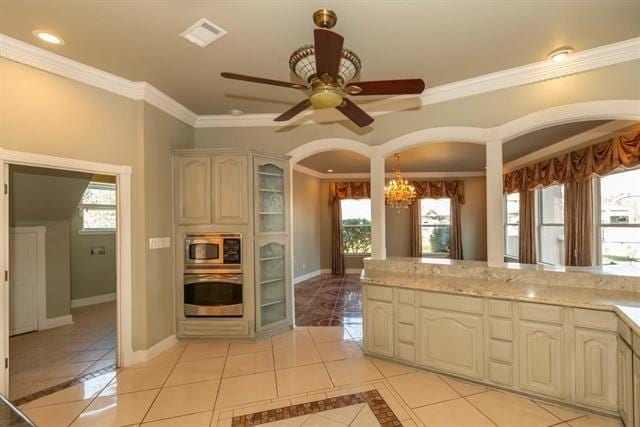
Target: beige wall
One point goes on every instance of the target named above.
(620, 81)
(306, 224)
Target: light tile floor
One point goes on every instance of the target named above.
(42, 359)
(207, 383)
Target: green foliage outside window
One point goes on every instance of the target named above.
(356, 235)
(440, 240)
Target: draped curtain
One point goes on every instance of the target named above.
(453, 190)
(578, 223)
(527, 228)
(337, 192)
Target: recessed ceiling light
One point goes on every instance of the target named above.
(560, 54)
(48, 37)
(235, 112)
(329, 170)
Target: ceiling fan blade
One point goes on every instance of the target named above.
(355, 113)
(293, 111)
(263, 81)
(328, 51)
(386, 87)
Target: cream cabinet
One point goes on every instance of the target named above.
(231, 190)
(379, 327)
(636, 390)
(595, 364)
(625, 382)
(450, 341)
(273, 282)
(541, 358)
(271, 189)
(193, 189)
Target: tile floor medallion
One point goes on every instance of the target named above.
(45, 359)
(315, 378)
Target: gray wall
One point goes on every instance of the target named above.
(306, 224)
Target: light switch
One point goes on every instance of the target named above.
(159, 242)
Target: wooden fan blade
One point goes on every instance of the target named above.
(328, 51)
(293, 111)
(386, 87)
(263, 81)
(355, 113)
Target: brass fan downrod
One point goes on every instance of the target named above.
(325, 18)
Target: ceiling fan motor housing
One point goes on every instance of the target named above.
(303, 63)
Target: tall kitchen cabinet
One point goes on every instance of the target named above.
(244, 191)
(272, 243)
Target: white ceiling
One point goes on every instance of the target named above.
(441, 42)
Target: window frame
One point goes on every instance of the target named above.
(434, 226)
(354, 254)
(506, 225)
(94, 206)
(540, 224)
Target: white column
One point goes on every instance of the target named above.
(378, 238)
(495, 229)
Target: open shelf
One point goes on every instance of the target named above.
(280, 175)
(277, 279)
(269, 190)
(273, 258)
(270, 303)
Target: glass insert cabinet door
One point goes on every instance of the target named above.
(273, 283)
(271, 184)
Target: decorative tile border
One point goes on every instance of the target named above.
(376, 403)
(59, 387)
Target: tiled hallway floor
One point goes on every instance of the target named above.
(202, 383)
(46, 358)
(329, 300)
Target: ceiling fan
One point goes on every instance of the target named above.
(327, 69)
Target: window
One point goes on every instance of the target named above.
(551, 225)
(620, 219)
(356, 226)
(435, 224)
(98, 208)
(511, 225)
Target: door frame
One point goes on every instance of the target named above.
(124, 292)
(41, 285)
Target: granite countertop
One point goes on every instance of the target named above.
(10, 416)
(626, 304)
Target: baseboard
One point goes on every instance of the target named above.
(56, 322)
(353, 271)
(98, 299)
(142, 356)
(307, 276)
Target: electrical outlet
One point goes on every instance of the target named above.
(159, 242)
(98, 250)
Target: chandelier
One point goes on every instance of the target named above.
(399, 194)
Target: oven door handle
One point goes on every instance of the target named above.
(235, 279)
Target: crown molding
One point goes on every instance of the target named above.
(42, 59)
(579, 62)
(365, 175)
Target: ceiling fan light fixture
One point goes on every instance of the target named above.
(325, 98)
(303, 63)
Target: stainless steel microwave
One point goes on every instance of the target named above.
(213, 251)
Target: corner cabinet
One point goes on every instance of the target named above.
(271, 190)
(193, 189)
(273, 283)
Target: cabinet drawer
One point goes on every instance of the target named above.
(501, 329)
(500, 373)
(603, 320)
(624, 331)
(407, 314)
(379, 293)
(407, 333)
(406, 352)
(501, 351)
(499, 308)
(406, 296)
(540, 312)
(451, 302)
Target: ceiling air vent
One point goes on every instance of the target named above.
(203, 32)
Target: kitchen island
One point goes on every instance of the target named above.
(567, 335)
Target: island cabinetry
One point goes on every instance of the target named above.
(501, 352)
(379, 321)
(625, 382)
(636, 388)
(193, 189)
(406, 326)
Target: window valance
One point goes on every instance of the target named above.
(349, 190)
(577, 166)
(439, 189)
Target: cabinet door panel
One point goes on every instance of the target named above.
(193, 190)
(379, 327)
(596, 369)
(541, 358)
(636, 391)
(625, 380)
(451, 341)
(231, 198)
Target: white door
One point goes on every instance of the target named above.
(23, 279)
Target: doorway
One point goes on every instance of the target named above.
(58, 324)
